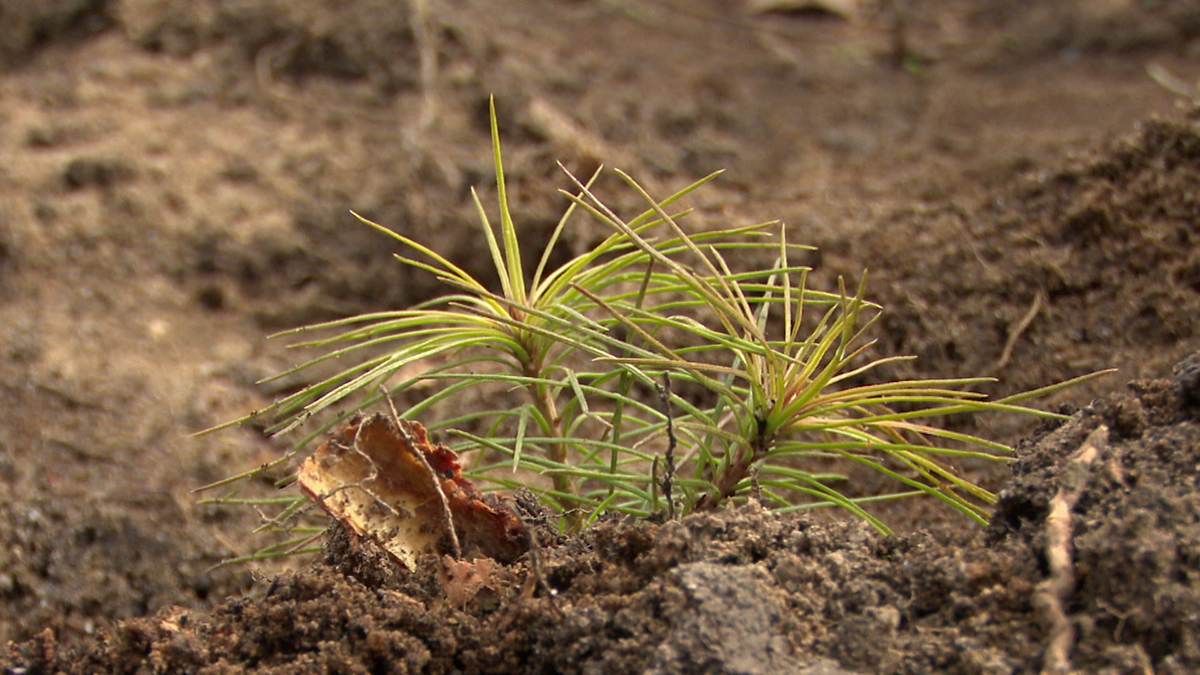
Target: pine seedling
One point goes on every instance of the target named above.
(592, 346)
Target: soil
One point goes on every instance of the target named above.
(176, 181)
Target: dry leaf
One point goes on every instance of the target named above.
(462, 581)
(368, 476)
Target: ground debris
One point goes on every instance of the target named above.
(384, 480)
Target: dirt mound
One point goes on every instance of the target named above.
(746, 591)
(1092, 265)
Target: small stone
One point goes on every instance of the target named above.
(1187, 379)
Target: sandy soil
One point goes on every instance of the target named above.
(175, 181)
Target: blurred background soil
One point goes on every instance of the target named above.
(176, 180)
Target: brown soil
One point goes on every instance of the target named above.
(176, 181)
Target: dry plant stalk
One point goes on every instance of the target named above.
(1053, 594)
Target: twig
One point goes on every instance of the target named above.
(264, 66)
(427, 49)
(1017, 331)
(1053, 594)
(403, 429)
(654, 484)
(668, 480)
(1169, 81)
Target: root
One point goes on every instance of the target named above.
(1053, 594)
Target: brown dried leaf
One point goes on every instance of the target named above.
(368, 476)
